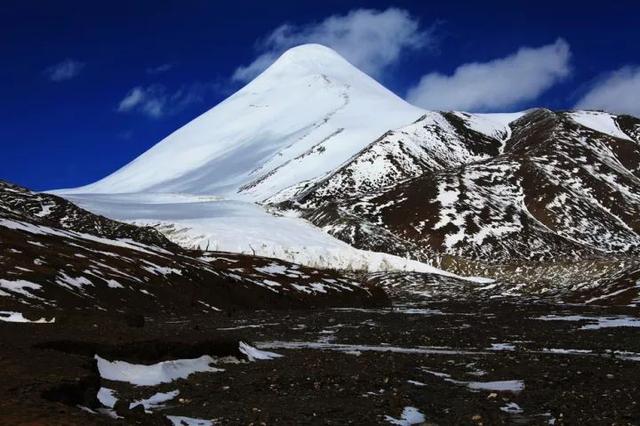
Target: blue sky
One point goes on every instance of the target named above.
(87, 86)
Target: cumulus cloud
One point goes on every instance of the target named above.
(497, 84)
(370, 39)
(156, 100)
(618, 92)
(65, 70)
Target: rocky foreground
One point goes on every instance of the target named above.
(439, 363)
(107, 323)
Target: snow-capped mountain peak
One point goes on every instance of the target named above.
(309, 111)
(310, 59)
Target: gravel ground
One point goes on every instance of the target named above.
(439, 363)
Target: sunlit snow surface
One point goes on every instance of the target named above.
(154, 374)
(242, 227)
(410, 416)
(311, 110)
(599, 121)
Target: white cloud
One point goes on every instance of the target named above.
(65, 70)
(160, 68)
(156, 101)
(370, 39)
(497, 84)
(618, 92)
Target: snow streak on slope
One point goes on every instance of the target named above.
(300, 119)
(436, 141)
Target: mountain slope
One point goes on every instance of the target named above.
(556, 188)
(436, 141)
(388, 186)
(297, 121)
(57, 257)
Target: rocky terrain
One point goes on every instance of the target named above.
(437, 363)
(551, 188)
(57, 257)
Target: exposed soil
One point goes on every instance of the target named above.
(338, 366)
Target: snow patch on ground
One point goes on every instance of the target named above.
(595, 323)
(514, 386)
(107, 397)
(254, 354)
(155, 401)
(188, 421)
(410, 416)
(512, 408)
(154, 374)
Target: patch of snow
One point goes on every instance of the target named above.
(502, 347)
(254, 354)
(561, 351)
(273, 269)
(514, 386)
(107, 397)
(21, 287)
(410, 416)
(75, 282)
(46, 210)
(240, 327)
(9, 316)
(114, 284)
(512, 408)
(157, 400)
(394, 310)
(494, 125)
(599, 121)
(595, 323)
(188, 421)
(211, 307)
(161, 270)
(154, 374)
